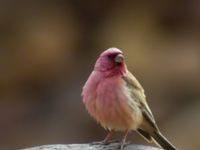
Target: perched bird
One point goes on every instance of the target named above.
(116, 100)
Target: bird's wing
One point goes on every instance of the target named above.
(150, 130)
(138, 95)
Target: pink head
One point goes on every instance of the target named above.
(111, 60)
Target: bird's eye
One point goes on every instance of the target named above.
(110, 57)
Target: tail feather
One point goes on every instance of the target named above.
(162, 141)
(145, 135)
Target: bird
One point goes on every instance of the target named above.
(116, 100)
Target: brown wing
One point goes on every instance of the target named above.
(138, 95)
(148, 129)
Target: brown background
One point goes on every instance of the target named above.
(48, 49)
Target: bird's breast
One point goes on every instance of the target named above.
(110, 105)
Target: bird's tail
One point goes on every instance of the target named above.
(162, 141)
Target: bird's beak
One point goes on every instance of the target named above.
(119, 58)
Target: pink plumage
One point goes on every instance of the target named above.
(105, 95)
(116, 100)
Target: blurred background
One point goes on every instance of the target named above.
(48, 49)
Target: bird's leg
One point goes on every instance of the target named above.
(108, 137)
(106, 140)
(123, 142)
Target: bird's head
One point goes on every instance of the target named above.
(111, 60)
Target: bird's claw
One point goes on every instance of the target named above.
(104, 142)
(99, 143)
(123, 144)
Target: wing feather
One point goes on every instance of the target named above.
(138, 95)
(148, 129)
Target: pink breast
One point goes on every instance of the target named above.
(109, 105)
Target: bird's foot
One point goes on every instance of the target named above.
(123, 144)
(104, 142)
(99, 143)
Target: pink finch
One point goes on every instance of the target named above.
(116, 100)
